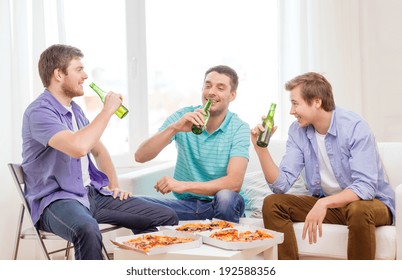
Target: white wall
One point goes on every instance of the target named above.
(381, 63)
(381, 69)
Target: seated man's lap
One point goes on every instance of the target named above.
(227, 205)
(66, 217)
(135, 213)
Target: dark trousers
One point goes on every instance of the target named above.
(74, 222)
(280, 211)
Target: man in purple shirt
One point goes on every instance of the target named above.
(67, 194)
(342, 167)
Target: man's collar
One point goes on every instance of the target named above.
(224, 126)
(56, 104)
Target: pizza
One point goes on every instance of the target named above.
(149, 241)
(197, 227)
(233, 235)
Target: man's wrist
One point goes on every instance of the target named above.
(172, 129)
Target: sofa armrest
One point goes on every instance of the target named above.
(142, 182)
(398, 221)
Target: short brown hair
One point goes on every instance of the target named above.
(225, 70)
(56, 56)
(312, 86)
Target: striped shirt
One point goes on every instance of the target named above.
(205, 157)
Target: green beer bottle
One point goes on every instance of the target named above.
(268, 124)
(198, 129)
(121, 112)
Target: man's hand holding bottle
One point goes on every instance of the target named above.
(112, 102)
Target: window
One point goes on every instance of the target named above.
(185, 38)
(156, 52)
(98, 28)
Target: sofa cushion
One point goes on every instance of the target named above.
(327, 248)
(255, 189)
(333, 243)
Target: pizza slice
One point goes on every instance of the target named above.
(148, 241)
(197, 227)
(233, 235)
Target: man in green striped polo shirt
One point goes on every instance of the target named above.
(210, 167)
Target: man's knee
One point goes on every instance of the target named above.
(229, 205)
(226, 195)
(359, 212)
(272, 201)
(88, 229)
(171, 217)
(228, 199)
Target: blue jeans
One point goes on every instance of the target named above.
(226, 205)
(74, 222)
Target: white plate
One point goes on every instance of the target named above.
(230, 245)
(197, 242)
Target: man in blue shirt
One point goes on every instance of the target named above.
(67, 194)
(343, 172)
(210, 167)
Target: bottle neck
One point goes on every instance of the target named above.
(272, 110)
(98, 91)
(207, 105)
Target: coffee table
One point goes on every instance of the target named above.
(204, 252)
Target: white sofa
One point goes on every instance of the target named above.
(333, 244)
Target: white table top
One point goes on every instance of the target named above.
(204, 252)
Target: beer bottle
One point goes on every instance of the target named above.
(121, 112)
(268, 124)
(198, 129)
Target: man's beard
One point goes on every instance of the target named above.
(70, 91)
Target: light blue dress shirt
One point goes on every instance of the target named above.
(353, 154)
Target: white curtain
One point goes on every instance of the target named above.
(321, 36)
(26, 28)
(15, 84)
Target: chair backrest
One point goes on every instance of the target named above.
(18, 176)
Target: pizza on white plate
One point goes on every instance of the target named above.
(234, 235)
(149, 241)
(197, 227)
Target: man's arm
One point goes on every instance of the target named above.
(78, 144)
(268, 166)
(150, 148)
(233, 181)
(105, 164)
